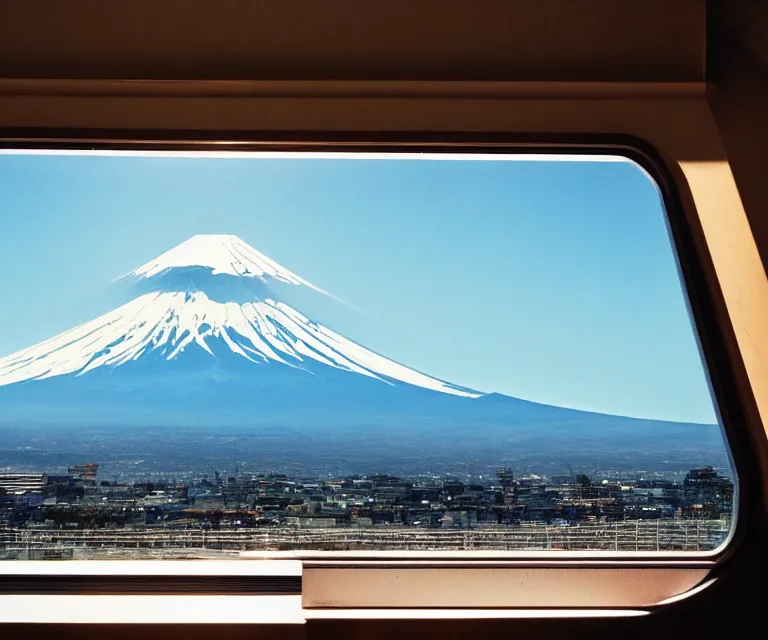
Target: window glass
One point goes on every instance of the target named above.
(203, 355)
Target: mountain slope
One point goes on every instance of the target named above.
(207, 341)
(185, 326)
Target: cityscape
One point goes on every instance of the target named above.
(78, 514)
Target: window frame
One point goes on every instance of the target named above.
(724, 364)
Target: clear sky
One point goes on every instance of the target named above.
(547, 280)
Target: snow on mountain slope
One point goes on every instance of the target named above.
(166, 324)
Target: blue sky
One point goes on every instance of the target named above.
(551, 281)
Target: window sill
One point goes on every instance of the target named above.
(209, 609)
(291, 591)
(142, 609)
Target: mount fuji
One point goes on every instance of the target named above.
(209, 340)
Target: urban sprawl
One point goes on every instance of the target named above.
(76, 514)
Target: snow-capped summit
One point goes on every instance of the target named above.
(222, 254)
(245, 329)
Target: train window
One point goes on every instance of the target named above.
(204, 355)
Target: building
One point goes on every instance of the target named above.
(706, 494)
(21, 483)
(85, 471)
